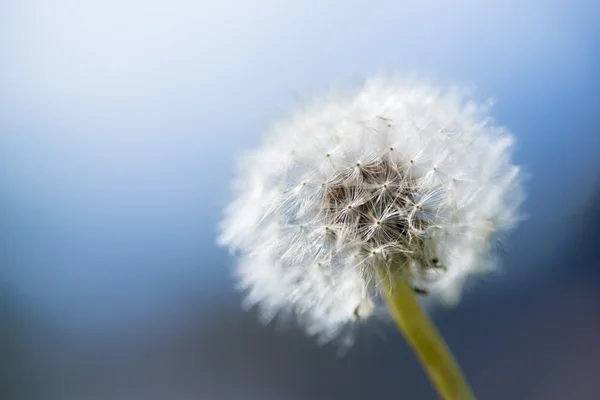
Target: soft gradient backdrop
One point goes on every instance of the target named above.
(120, 124)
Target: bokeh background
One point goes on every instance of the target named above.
(120, 124)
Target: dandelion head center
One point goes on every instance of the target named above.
(373, 208)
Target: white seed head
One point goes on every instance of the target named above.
(396, 177)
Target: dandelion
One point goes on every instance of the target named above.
(363, 198)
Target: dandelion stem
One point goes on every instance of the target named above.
(425, 340)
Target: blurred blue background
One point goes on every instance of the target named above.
(120, 124)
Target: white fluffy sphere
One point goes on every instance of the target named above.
(397, 176)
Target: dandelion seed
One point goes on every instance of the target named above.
(425, 194)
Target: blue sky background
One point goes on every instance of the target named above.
(120, 125)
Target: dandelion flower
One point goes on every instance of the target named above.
(397, 178)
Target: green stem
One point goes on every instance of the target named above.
(425, 341)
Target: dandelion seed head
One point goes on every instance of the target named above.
(396, 176)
